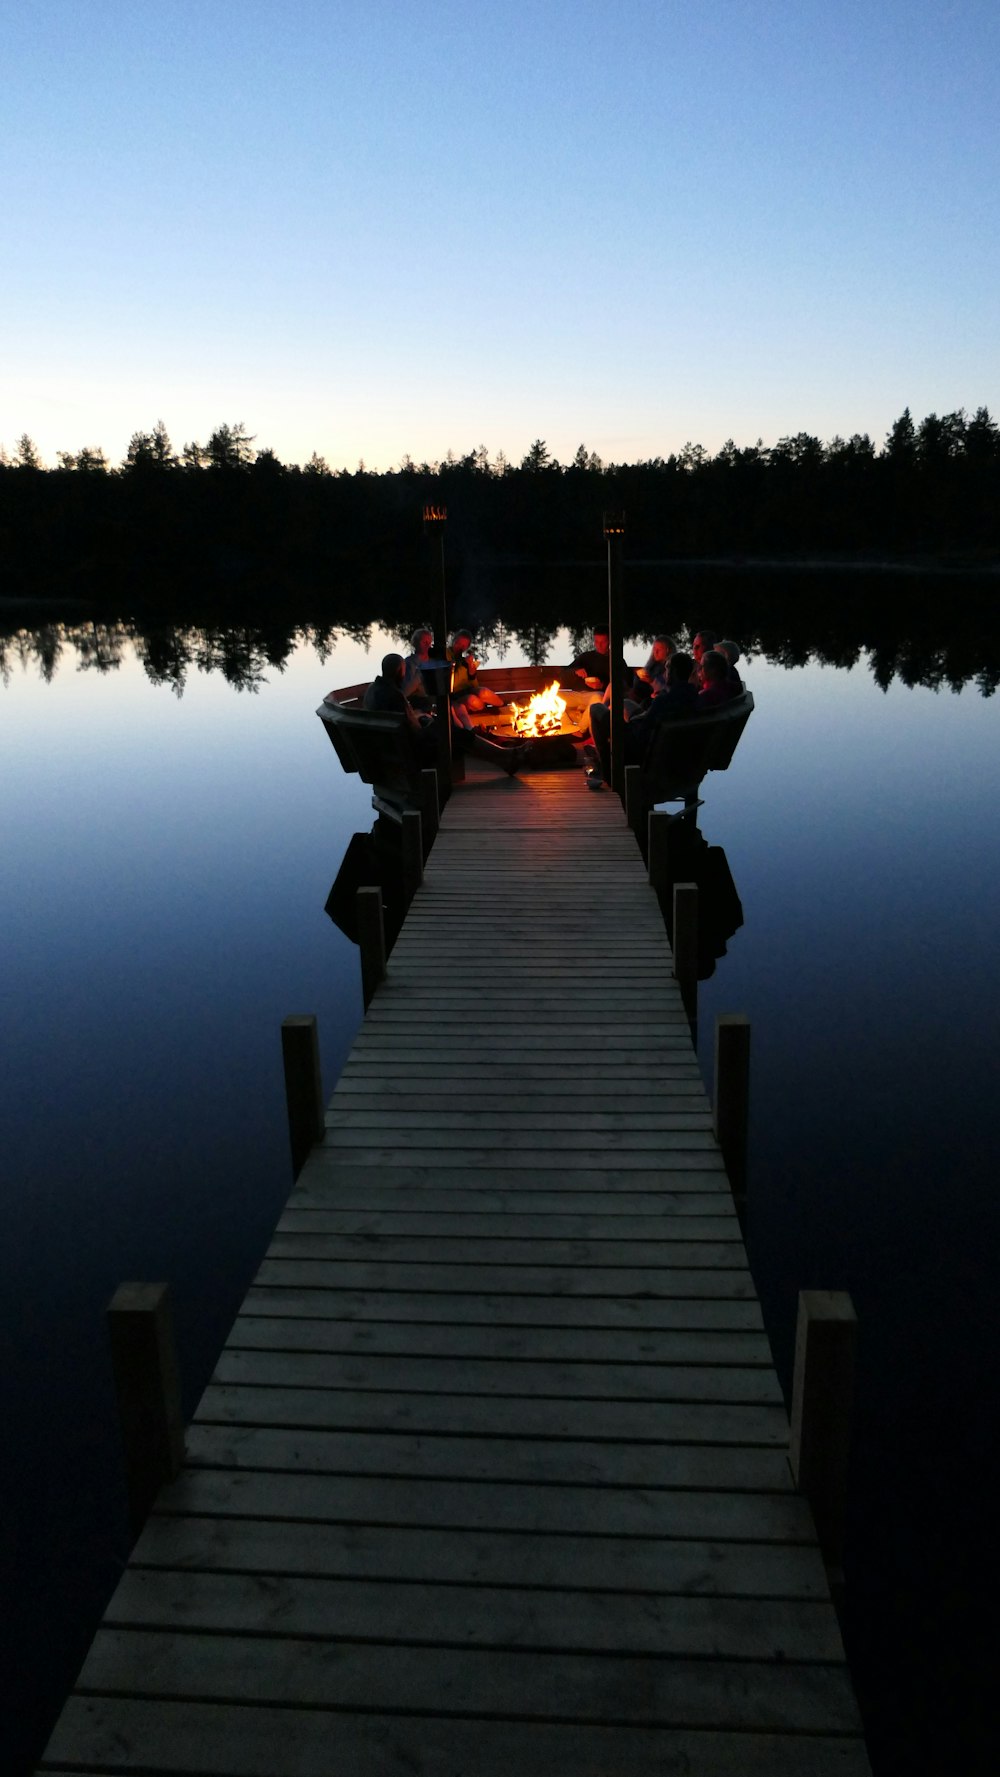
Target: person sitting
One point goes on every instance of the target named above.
(466, 688)
(593, 666)
(716, 686)
(732, 654)
(649, 680)
(385, 695)
(678, 698)
(422, 643)
(702, 640)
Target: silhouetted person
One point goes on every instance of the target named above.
(422, 642)
(593, 666)
(716, 686)
(703, 640)
(732, 654)
(678, 698)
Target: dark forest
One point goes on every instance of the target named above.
(227, 517)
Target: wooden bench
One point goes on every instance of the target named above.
(379, 747)
(683, 751)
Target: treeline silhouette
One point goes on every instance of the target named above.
(934, 631)
(225, 515)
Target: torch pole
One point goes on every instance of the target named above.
(614, 530)
(450, 766)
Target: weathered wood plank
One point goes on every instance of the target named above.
(504, 1378)
(424, 1614)
(627, 1211)
(678, 1422)
(116, 1736)
(469, 1247)
(493, 1458)
(473, 1222)
(533, 1685)
(576, 1282)
(625, 1539)
(485, 1307)
(582, 1345)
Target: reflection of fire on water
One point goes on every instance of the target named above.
(542, 715)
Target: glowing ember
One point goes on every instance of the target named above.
(543, 715)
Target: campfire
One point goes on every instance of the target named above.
(543, 714)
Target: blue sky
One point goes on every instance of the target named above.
(370, 229)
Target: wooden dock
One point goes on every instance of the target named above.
(492, 1475)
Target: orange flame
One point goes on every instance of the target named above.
(542, 715)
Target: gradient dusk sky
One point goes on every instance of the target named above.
(378, 227)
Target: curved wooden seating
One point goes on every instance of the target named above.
(683, 751)
(377, 746)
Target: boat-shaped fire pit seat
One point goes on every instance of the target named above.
(378, 746)
(684, 750)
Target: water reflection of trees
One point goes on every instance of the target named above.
(936, 633)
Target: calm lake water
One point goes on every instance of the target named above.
(164, 869)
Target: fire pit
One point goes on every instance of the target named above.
(543, 721)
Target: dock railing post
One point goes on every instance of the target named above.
(658, 850)
(826, 1337)
(371, 938)
(633, 799)
(147, 1388)
(685, 945)
(303, 1085)
(430, 808)
(413, 854)
(732, 1098)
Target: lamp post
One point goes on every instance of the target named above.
(435, 519)
(450, 767)
(614, 531)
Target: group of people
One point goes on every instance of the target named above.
(671, 684)
(401, 689)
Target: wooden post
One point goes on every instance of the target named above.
(633, 799)
(303, 1085)
(147, 1387)
(371, 937)
(658, 850)
(685, 945)
(430, 810)
(826, 1339)
(732, 1097)
(413, 854)
(614, 530)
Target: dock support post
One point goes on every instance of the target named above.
(732, 1098)
(658, 850)
(633, 799)
(822, 1394)
(413, 854)
(371, 938)
(685, 946)
(303, 1085)
(147, 1387)
(430, 809)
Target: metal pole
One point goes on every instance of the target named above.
(614, 530)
